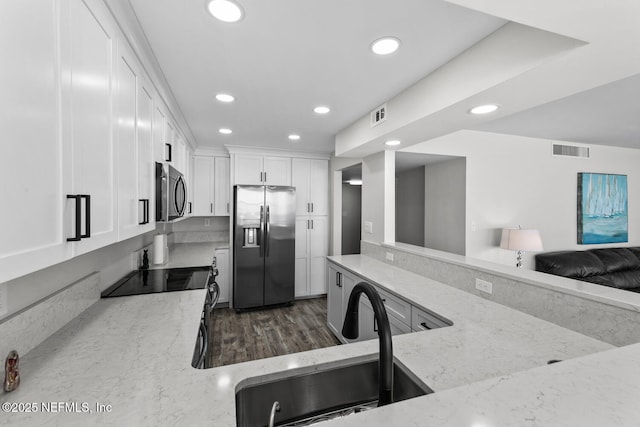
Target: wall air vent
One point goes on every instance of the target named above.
(379, 115)
(581, 151)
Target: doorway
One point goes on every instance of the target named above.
(351, 209)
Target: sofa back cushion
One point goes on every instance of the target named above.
(617, 259)
(574, 264)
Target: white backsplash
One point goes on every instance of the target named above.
(27, 328)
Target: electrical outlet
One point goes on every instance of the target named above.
(484, 286)
(368, 227)
(207, 222)
(3, 299)
(389, 256)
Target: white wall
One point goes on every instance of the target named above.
(445, 210)
(515, 181)
(410, 206)
(378, 197)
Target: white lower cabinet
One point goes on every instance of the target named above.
(403, 316)
(312, 248)
(222, 263)
(340, 283)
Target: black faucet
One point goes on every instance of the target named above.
(350, 330)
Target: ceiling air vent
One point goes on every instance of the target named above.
(571, 150)
(379, 115)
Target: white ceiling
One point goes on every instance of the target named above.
(606, 115)
(287, 56)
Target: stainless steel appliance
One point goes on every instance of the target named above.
(264, 246)
(171, 193)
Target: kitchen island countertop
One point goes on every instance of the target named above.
(488, 369)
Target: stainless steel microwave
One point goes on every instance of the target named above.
(171, 193)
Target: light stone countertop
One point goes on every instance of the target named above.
(198, 254)
(134, 353)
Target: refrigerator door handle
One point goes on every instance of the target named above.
(267, 231)
(262, 233)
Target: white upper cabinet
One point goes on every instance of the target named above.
(251, 169)
(88, 86)
(159, 129)
(221, 187)
(31, 151)
(311, 179)
(127, 147)
(203, 185)
(146, 165)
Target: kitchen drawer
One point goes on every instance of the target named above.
(422, 320)
(396, 307)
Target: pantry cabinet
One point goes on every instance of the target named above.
(312, 245)
(311, 179)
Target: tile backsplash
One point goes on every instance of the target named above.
(201, 229)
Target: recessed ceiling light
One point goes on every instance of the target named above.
(225, 131)
(294, 137)
(225, 10)
(225, 97)
(321, 109)
(393, 142)
(354, 182)
(385, 45)
(484, 109)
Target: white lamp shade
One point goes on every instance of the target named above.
(517, 239)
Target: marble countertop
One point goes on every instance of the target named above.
(488, 369)
(198, 254)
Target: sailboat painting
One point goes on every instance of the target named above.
(602, 208)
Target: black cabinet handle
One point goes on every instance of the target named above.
(145, 212)
(78, 230)
(190, 211)
(167, 153)
(338, 279)
(77, 235)
(87, 213)
(424, 325)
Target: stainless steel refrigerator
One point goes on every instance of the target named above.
(264, 246)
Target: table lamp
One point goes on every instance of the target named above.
(521, 240)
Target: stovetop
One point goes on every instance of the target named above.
(155, 281)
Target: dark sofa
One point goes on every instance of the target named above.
(614, 267)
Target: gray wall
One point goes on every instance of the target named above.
(351, 218)
(445, 200)
(410, 206)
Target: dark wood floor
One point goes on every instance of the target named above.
(240, 337)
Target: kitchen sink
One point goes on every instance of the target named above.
(318, 393)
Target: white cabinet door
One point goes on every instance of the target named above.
(302, 258)
(221, 187)
(88, 123)
(300, 180)
(318, 193)
(169, 143)
(277, 171)
(127, 164)
(159, 129)
(335, 311)
(248, 170)
(203, 186)
(31, 152)
(222, 262)
(146, 166)
(318, 251)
